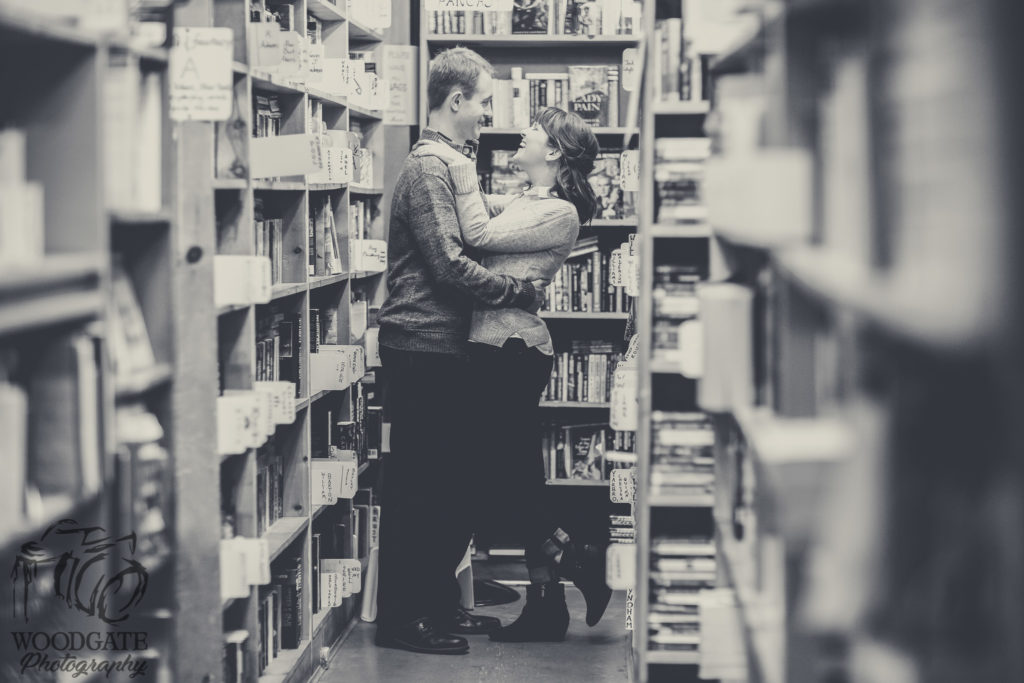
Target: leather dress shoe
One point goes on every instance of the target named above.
(422, 635)
(471, 624)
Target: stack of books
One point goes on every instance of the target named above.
(280, 610)
(544, 17)
(682, 454)
(621, 529)
(584, 374)
(679, 179)
(680, 569)
(675, 301)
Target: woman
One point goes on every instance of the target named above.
(529, 236)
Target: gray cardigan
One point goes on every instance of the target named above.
(433, 283)
(526, 236)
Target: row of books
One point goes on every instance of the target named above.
(354, 430)
(583, 283)
(22, 228)
(269, 234)
(503, 177)
(269, 485)
(279, 347)
(584, 451)
(49, 421)
(682, 454)
(681, 568)
(679, 73)
(280, 610)
(342, 538)
(679, 179)
(550, 17)
(588, 90)
(584, 374)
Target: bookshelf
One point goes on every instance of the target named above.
(840, 313)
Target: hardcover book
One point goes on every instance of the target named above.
(530, 16)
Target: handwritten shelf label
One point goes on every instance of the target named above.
(200, 74)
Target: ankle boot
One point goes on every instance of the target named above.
(545, 617)
(585, 565)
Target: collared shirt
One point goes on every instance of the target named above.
(539, 190)
(469, 149)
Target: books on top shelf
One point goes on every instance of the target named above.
(585, 452)
(22, 230)
(542, 17)
(679, 165)
(590, 91)
(583, 374)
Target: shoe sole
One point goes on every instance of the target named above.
(422, 650)
(599, 611)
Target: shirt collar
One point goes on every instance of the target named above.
(540, 190)
(469, 149)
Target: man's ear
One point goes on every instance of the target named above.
(455, 99)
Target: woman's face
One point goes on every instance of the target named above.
(534, 151)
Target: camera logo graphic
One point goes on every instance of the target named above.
(86, 568)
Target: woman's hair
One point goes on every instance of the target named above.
(572, 136)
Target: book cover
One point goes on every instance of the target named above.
(530, 16)
(588, 93)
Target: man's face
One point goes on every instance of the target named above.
(469, 118)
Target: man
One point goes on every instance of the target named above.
(433, 285)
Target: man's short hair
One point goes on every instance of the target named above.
(457, 68)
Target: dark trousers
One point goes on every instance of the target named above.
(507, 384)
(425, 515)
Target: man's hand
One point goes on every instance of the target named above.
(541, 287)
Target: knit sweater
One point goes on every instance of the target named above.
(433, 281)
(529, 237)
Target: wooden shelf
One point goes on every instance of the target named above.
(326, 187)
(680, 231)
(364, 189)
(664, 367)
(288, 661)
(681, 108)
(673, 657)
(144, 381)
(326, 11)
(598, 130)
(278, 185)
(665, 500)
(286, 289)
(58, 289)
(583, 315)
(326, 97)
(533, 41)
(363, 113)
(614, 222)
(282, 532)
(266, 81)
(230, 183)
(128, 217)
(577, 482)
(232, 308)
(22, 26)
(940, 312)
(575, 404)
(362, 33)
(317, 282)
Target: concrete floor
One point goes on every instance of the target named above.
(593, 655)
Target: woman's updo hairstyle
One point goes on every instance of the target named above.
(573, 137)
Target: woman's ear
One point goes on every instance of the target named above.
(553, 155)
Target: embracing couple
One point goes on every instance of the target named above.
(465, 360)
